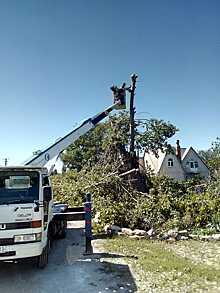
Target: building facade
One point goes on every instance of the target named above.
(182, 163)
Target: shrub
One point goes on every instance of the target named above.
(169, 204)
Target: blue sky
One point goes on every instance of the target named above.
(59, 58)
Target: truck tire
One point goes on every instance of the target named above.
(42, 259)
(64, 230)
(62, 234)
(61, 230)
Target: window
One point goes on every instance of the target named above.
(19, 187)
(193, 165)
(170, 162)
(196, 165)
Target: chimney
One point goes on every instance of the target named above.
(178, 150)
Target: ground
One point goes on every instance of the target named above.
(68, 271)
(159, 266)
(118, 265)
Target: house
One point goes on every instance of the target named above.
(182, 164)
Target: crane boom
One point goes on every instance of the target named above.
(42, 158)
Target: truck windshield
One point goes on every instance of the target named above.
(18, 187)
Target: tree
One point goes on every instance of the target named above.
(85, 150)
(212, 157)
(155, 135)
(109, 141)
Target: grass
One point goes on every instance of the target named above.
(164, 267)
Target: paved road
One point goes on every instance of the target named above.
(68, 271)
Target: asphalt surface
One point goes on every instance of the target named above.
(69, 270)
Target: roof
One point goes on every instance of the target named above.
(191, 148)
(19, 168)
(182, 150)
(186, 152)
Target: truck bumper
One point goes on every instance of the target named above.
(20, 251)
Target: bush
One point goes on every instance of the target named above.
(169, 204)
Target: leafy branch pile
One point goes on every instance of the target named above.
(97, 161)
(168, 205)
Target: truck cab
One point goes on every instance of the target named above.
(26, 214)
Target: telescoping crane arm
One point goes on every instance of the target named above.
(42, 158)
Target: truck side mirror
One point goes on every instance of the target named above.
(47, 193)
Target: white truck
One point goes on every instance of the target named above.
(27, 221)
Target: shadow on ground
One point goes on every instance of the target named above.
(69, 271)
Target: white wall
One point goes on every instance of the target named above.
(175, 171)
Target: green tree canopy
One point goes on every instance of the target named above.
(109, 139)
(212, 157)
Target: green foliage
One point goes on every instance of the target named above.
(155, 135)
(86, 150)
(109, 139)
(113, 198)
(212, 157)
(68, 189)
(178, 205)
(106, 137)
(95, 160)
(169, 204)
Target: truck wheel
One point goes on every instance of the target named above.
(42, 260)
(62, 234)
(62, 230)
